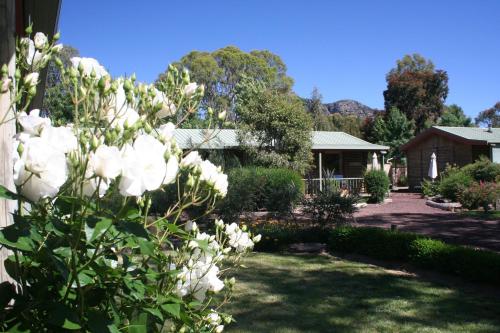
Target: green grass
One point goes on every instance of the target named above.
(295, 293)
(491, 215)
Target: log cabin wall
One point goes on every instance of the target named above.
(447, 152)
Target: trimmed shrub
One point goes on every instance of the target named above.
(483, 170)
(331, 207)
(376, 184)
(278, 237)
(454, 181)
(469, 263)
(373, 242)
(253, 189)
(430, 188)
(483, 194)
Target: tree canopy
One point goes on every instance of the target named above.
(453, 115)
(57, 101)
(318, 111)
(222, 70)
(489, 117)
(417, 90)
(394, 130)
(273, 126)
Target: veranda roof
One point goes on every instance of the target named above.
(227, 139)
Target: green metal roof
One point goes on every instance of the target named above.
(473, 133)
(227, 138)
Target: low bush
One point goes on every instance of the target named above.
(373, 242)
(403, 181)
(469, 263)
(483, 170)
(430, 188)
(453, 182)
(331, 206)
(482, 194)
(376, 184)
(277, 237)
(252, 189)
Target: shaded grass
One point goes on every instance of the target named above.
(491, 215)
(298, 293)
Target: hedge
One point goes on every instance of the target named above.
(251, 189)
(469, 263)
(277, 237)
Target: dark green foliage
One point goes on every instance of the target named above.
(273, 127)
(252, 189)
(374, 242)
(331, 207)
(277, 237)
(453, 115)
(376, 184)
(490, 117)
(430, 188)
(471, 264)
(483, 170)
(482, 194)
(417, 89)
(454, 181)
(394, 130)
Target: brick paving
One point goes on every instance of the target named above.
(409, 212)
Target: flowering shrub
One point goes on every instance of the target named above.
(482, 194)
(86, 255)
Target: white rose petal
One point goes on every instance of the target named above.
(40, 40)
(106, 162)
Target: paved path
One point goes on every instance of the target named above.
(410, 213)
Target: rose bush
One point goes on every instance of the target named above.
(83, 264)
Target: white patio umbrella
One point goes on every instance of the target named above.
(375, 165)
(433, 170)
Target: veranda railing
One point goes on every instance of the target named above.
(315, 185)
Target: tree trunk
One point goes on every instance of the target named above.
(7, 130)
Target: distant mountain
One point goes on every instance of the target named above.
(349, 107)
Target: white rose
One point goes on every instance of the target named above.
(31, 80)
(58, 48)
(191, 160)
(91, 184)
(89, 65)
(190, 89)
(167, 107)
(144, 166)
(62, 138)
(41, 169)
(106, 162)
(32, 56)
(166, 131)
(40, 40)
(219, 329)
(120, 112)
(33, 123)
(172, 170)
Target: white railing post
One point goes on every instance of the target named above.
(320, 162)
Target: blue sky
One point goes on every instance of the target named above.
(344, 48)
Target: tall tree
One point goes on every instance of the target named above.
(57, 101)
(346, 123)
(273, 127)
(394, 130)
(489, 117)
(318, 111)
(453, 115)
(221, 71)
(417, 89)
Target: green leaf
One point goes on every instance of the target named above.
(138, 324)
(19, 328)
(98, 230)
(99, 323)
(6, 194)
(63, 316)
(155, 312)
(18, 236)
(147, 247)
(173, 309)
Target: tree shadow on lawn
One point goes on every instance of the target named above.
(290, 293)
(451, 227)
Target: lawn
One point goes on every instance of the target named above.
(491, 215)
(299, 293)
